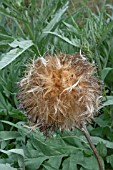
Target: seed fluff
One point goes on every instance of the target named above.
(60, 91)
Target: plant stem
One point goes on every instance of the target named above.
(87, 135)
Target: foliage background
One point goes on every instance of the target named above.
(30, 28)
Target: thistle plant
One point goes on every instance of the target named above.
(61, 92)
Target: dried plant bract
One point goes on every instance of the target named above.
(60, 91)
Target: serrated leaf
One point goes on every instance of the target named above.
(72, 140)
(15, 151)
(44, 148)
(35, 163)
(102, 123)
(56, 18)
(75, 42)
(22, 44)
(69, 149)
(14, 53)
(97, 140)
(107, 103)
(108, 100)
(71, 28)
(7, 135)
(89, 163)
(6, 167)
(18, 126)
(54, 162)
(69, 163)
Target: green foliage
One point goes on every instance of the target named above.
(18, 48)
(30, 28)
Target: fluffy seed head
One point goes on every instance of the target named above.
(60, 91)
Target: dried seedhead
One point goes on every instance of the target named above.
(60, 91)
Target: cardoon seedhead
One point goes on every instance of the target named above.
(60, 91)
